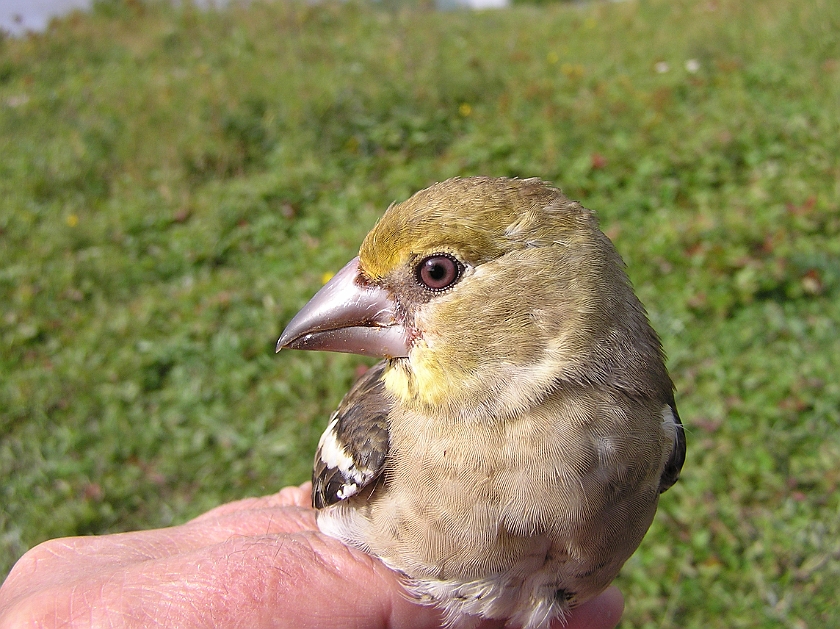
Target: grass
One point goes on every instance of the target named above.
(174, 184)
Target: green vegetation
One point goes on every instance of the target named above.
(174, 184)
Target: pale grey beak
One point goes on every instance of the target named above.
(348, 316)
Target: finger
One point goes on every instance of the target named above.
(299, 580)
(68, 559)
(71, 559)
(260, 518)
(286, 497)
(602, 612)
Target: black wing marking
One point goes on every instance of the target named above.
(671, 473)
(352, 450)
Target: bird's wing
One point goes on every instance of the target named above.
(673, 466)
(353, 448)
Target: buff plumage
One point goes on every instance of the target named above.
(508, 454)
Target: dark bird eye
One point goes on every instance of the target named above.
(439, 271)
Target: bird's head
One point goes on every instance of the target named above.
(486, 295)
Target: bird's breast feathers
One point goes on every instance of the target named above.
(527, 505)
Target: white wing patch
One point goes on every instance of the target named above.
(334, 456)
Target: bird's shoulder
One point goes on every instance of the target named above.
(352, 451)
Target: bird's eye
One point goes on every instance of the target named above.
(439, 271)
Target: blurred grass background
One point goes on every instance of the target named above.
(175, 184)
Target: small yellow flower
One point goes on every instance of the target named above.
(572, 70)
(465, 109)
(352, 144)
(326, 277)
(72, 220)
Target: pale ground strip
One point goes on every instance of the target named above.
(19, 16)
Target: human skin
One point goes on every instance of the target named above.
(255, 563)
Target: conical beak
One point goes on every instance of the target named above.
(349, 316)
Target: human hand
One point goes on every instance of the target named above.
(258, 562)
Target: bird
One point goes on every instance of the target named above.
(507, 455)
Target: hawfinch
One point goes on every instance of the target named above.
(507, 455)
